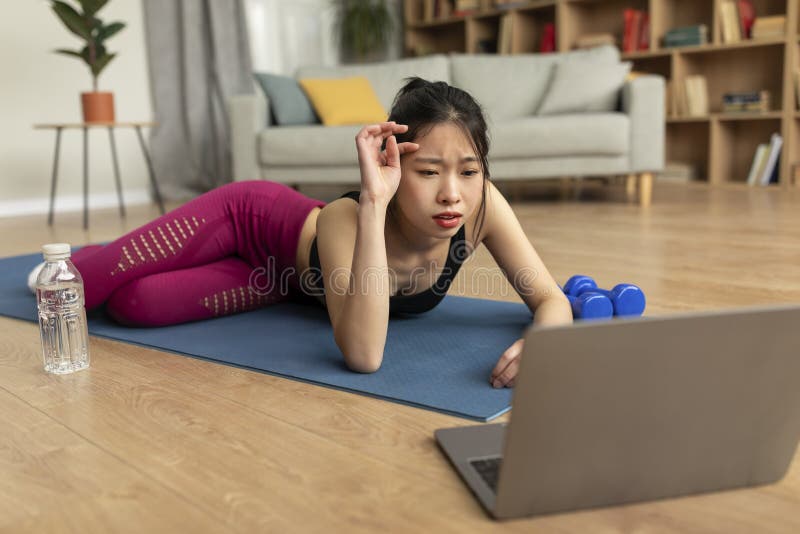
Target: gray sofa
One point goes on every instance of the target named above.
(626, 138)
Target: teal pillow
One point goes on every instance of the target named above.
(288, 103)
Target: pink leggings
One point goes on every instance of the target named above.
(230, 250)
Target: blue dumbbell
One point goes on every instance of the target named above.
(578, 283)
(627, 299)
(591, 305)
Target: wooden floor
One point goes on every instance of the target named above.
(146, 441)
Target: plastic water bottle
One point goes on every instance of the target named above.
(62, 315)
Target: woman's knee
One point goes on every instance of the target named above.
(132, 305)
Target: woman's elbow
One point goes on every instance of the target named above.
(365, 365)
(360, 356)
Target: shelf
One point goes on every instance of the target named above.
(493, 14)
(646, 54)
(748, 116)
(732, 116)
(727, 46)
(437, 23)
(679, 120)
(534, 6)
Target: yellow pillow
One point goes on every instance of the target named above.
(340, 101)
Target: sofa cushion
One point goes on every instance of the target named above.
(287, 101)
(513, 86)
(388, 77)
(344, 100)
(578, 87)
(580, 134)
(308, 145)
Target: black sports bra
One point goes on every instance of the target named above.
(417, 302)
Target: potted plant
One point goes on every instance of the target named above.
(364, 28)
(83, 22)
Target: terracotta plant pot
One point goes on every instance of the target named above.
(98, 107)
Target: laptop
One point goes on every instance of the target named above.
(630, 410)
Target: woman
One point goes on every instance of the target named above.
(425, 204)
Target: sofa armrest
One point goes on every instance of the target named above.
(248, 116)
(643, 100)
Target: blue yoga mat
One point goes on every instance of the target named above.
(440, 360)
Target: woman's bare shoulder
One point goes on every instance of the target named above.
(340, 211)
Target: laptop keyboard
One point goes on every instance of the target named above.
(488, 469)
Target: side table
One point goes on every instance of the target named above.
(85, 127)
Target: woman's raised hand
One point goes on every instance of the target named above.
(380, 170)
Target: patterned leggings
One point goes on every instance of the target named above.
(230, 250)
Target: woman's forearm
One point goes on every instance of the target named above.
(364, 320)
(553, 311)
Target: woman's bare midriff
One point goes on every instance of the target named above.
(307, 234)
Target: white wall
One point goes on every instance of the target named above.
(38, 86)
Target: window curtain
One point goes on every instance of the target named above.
(199, 57)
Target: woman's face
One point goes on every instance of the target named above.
(441, 184)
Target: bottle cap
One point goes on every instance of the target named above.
(56, 251)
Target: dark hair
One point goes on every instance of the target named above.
(421, 105)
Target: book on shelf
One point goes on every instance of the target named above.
(797, 86)
(467, 4)
(730, 25)
(773, 27)
(769, 174)
(508, 4)
(747, 15)
(746, 101)
(636, 30)
(696, 96)
(686, 36)
(678, 172)
(644, 32)
(676, 94)
(504, 37)
(547, 43)
(591, 40)
(429, 10)
(757, 166)
(442, 9)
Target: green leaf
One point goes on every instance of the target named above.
(109, 30)
(72, 19)
(90, 7)
(66, 52)
(102, 63)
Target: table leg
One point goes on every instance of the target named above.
(150, 169)
(85, 178)
(55, 178)
(116, 170)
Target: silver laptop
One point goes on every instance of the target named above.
(630, 410)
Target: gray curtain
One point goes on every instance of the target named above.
(199, 57)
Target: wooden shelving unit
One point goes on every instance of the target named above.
(721, 145)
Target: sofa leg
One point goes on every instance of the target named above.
(645, 189)
(630, 187)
